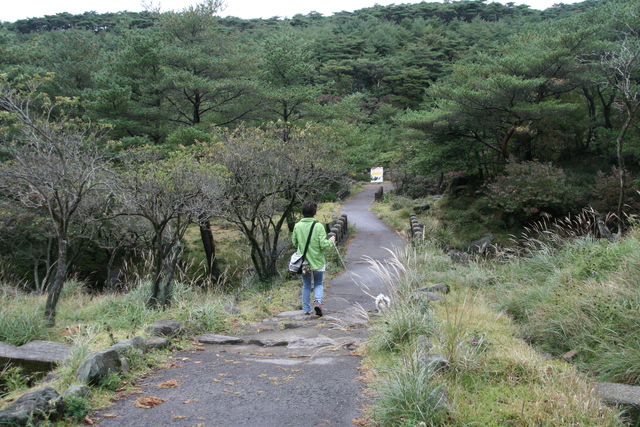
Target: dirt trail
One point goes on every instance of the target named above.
(293, 370)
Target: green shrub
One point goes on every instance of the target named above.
(400, 324)
(606, 192)
(111, 381)
(12, 378)
(408, 394)
(76, 407)
(583, 295)
(209, 318)
(527, 188)
(398, 202)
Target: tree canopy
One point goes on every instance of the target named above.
(195, 117)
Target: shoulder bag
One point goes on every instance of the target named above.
(295, 264)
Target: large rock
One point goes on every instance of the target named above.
(267, 342)
(623, 396)
(114, 359)
(98, 365)
(28, 409)
(135, 343)
(431, 296)
(320, 341)
(422, 208)
(439, 287)
(165, 327)
(459, 256)
(35, 356)
(480, 246)
(157, 342)
(218, 339)
(77, 391)
(436, 362)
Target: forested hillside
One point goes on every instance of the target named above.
(122, 131)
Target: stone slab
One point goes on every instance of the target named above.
(218, 339)
(624, 396)
(35, 356)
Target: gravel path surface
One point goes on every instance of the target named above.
(293, 370)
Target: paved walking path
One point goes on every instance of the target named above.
(293, 370)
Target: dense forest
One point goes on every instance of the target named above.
(121, 131)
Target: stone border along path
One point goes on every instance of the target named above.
(293, 370)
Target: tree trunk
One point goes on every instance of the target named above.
(206, 235)
(55, 288)
(621, 169)
(159, 257)
(504, 144)
(291, 221)
(167, 277)
(439, 185)
(606, 108)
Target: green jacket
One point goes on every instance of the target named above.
(319, 242)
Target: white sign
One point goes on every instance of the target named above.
(377, 174)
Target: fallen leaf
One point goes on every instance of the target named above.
(109, 415)
(148, 402)
(88, 420)
(169, 366)
(179, 417)
(186, 402)
(217, 381)
(169, 384)
(231, 391)
(276, 381)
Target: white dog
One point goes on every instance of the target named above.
(382, 302)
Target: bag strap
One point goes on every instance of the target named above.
(306, 246)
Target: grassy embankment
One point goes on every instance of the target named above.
(580, 295)
(92, 322)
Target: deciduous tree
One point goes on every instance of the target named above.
(621, 67)
(267, 177)
(171, 192)
(56, 164)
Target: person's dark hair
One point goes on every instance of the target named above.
(309, 209)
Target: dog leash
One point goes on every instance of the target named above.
(335, 246)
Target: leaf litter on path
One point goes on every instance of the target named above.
(169, 384)
(148, 402)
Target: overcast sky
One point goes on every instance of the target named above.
(12, 10)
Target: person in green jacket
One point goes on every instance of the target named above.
(314, 257)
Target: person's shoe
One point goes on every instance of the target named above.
(318, 310)
(307, 313)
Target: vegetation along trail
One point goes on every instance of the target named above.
(289, 371)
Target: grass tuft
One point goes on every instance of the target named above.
(409, 393)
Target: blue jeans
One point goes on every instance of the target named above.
(306, 288)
